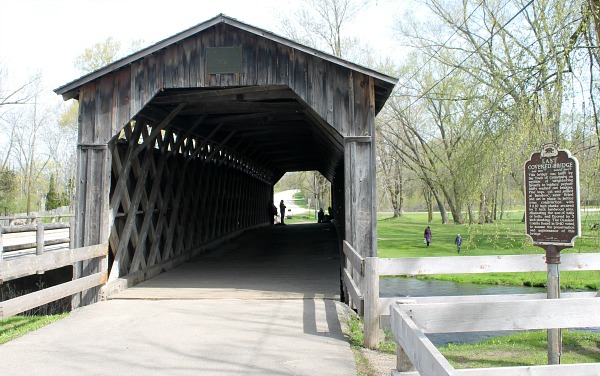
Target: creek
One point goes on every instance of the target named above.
(390, 287)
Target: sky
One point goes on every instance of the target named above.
(47, 35)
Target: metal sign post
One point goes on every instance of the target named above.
(552, 217)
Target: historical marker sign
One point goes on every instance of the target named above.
(552, 197)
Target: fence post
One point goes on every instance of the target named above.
(554, 335)
(39, 237)
(403, 362)
(1, 247)
(371, 296)
(72, 232)
(39, 240)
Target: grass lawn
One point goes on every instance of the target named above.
(403, 237)
(523, 349)
(16, 326)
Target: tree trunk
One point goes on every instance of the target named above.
(441, 207)
(470, 211)
(482, 208)
(429, 203)
(396, 196)
(502, 202)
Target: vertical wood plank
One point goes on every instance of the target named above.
(1, 248)
(371, 300)
(39, 237)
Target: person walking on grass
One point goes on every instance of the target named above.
(458, 242)
(427, 236)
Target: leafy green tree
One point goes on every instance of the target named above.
(53, 200)
(8, 187)
(98, 56)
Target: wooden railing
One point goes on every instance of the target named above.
(412, 318)
(355, 263)
(361, 282)
(34, 264)
(16, 220)
(39, 228)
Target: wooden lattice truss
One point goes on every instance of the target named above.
(172, 192)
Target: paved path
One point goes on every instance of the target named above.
(263, 305)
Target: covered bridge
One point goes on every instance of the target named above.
(180, 144)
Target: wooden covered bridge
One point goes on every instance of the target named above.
(180, 145)
(179, 148)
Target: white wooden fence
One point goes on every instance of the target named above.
(41, 261)
(38, 229)
(412, 318)
(34, 264)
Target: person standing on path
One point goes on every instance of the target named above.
(282, 211)
(458, 242)
(427, 236)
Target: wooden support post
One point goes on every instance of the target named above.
(371, 299)
(554, 335)
(403, 363)
(1, 248)
(39, 240)
(39, 237)
(72, 232)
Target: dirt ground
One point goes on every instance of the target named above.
(380, 363)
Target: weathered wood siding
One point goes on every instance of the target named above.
(264, 62)
(163, 203)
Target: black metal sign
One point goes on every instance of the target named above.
(223, 60)
(552, 197)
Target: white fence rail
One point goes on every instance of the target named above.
(412, 320)
(414, 317)
(34, 264)
(355, 264)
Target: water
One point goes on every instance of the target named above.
(390, 287)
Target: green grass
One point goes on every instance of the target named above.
(523, 349)
(16, 326)
(403, 237)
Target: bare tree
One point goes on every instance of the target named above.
(321, 24)
(31, 157)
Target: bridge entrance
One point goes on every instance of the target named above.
(180, 145)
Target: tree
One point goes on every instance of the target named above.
(53, 200)
(321, 24)
(20, 94)
(98, 56)
(8, 186)
(514, 64)
(31, 158)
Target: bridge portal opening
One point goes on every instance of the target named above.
(181, 144)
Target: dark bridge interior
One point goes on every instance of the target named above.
(267, 126)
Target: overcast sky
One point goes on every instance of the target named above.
(47, 35)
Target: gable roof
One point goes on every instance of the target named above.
(69, 90)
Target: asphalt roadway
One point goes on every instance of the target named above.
(264, 304)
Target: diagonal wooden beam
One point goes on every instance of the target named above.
(124, 169)
(130, 225)
(186, 135)
(157, 129)
(204, 142)
(138, 257)
(220, 147)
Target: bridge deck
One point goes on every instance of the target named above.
(280, 262)
(260, 305)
